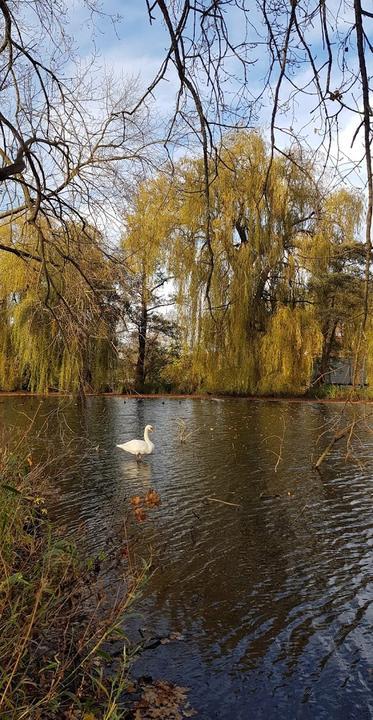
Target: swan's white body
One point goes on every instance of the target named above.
(139, 447)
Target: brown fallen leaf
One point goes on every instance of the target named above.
(140, 514)
(136, 500)
(163, 701)
(152, 498)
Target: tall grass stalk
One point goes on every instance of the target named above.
(56, 611)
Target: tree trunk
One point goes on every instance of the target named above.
(328, 340)
(142, 333)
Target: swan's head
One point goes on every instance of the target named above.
(149, 428)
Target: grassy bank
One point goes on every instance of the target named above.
(56, 611)
(341, 392)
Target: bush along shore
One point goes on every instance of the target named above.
(57, 614)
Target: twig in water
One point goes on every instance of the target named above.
(338, 436)
(224, 502)
(281, 439)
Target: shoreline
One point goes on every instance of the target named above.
(196, 396)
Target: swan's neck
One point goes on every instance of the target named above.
(146, 436)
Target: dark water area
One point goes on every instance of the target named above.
(273, 598)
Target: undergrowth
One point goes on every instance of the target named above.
(57, 612)
(340, 392)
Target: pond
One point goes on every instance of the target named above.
(272, 593)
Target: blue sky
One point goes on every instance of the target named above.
(134, 47)
(128, 43)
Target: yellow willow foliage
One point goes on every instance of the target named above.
(334, 233)
(359, 347)
(97, 356)
(215, 371)
(53, 331)
(17, 278)
(147, 226)
(70, 369)
(15, 274)
(9, 365)
(287, 350)
(86, 338)
(34, 342)
(369, 353)
(253, 214)
(226, 347)
(55, 361)
(279, 361)
(342, 213)
(182, 373)
(274, 240)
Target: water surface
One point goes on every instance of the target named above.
(274, 597)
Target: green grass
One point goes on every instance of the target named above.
(340, 392)
(55, 613)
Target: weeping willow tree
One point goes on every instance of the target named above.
(57, 326)
(275, 282)
(146, 276)
(335, 261)
(260, 328)
(257, 213)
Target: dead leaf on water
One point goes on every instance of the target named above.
(163, 701)
(152, 498)
(140, 514)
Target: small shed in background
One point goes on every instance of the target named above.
(341, 372)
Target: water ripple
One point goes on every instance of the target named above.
(274, 597)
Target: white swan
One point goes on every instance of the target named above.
(139, 447)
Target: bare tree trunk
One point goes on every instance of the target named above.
(142, 341)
